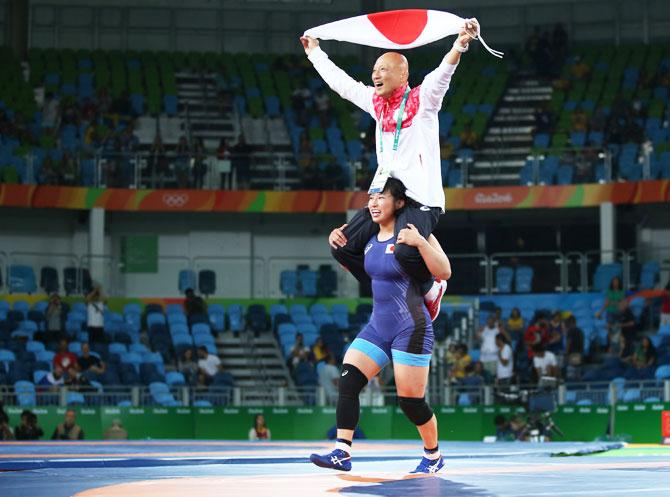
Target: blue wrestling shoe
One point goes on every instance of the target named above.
(429, 465)
(337, 459)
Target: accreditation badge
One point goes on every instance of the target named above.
(379, 181)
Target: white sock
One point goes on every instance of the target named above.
(433, 292)
(342, 446)
(433, 456)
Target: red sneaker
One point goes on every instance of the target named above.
(434, 304)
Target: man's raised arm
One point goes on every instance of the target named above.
(338, 80)
(436, 84)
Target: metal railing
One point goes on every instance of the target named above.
(237, 277)
(578, 393)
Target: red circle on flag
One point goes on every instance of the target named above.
(400, 26)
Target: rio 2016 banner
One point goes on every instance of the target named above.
(306, 201)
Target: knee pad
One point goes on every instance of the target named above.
(352, 381)
(416, 409)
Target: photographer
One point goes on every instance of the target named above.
(28, 429)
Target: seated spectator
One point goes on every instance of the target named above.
(116, 431)
(645, 354)
(28, 429)
(543, 119)
(626, 322)
(90, 365)
(622, 348)
(75, 381)
(544, 363)
(64, 359)
(68, 429)
(504, 362)
(461, 360)
(580, 69)
(613, 296)
(555, 333)
(299, 351)
(54, 378)
(208, 365)
(188, 367)
(259, 431)
(95, 315)
(515, 324)
(579, 121)
(469, 138)
(574, 348)
(319, 351)
(473, 375)
(193, 304)
(329, 376)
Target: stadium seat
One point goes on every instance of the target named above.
(207, 282)
(523, 280)
(186, 280)
(49, 279)
(21, 279)
(504, 276)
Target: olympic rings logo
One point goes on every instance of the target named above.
(175, 199)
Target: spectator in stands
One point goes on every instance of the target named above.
(469, 138)
(329, 376)
(64, 358)
(54, 378)
(598, 120)
(579, 121)
(121, 105)
(5, 430)
(91, 366)
(50, 112)
(53, 317)
(623, 349)
(181, 163)
(28, 429)
(208, 366)
(515, 324)
(488, 350)
(68, 170)
(536, 334)
(223, 154)
(159, 163)
(544, 363)
(574, 348)
(300, 98)
(322, 106)
(188, 367)
(95, 315)
(473, 376)
(559, 42)
(555, 334)
(199, 163)
(544, 119)
(240, 156)
(259, 431)
(613, 296)
(626, 322)
(504, 362)
(68, 429)
(48, 173)
(116, 431)
(645, 355)
(319, 351)
(461, 360)
(580, 69)
(75, 381)
(299, 351)
(193, 304)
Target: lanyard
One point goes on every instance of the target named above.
(398, 126)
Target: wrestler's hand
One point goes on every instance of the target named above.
(410, 236)
(309, 43)
(336, 238)
(469, 32)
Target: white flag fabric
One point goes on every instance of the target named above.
(395, 29)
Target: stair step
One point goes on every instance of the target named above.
(525, 90)
(504, 150)
(507, 163)
(509, 139)
(526, 98)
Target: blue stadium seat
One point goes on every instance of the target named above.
(21, 279)
(504, 276)
(25, 393)
(604, 274)
(288, 283)
(186, 280)
(523, 279)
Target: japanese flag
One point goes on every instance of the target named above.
(394, 29)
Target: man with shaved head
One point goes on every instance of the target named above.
(408, 148)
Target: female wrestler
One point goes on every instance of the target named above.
(400, 328)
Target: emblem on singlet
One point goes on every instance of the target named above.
(390, 248)
(367, 249)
